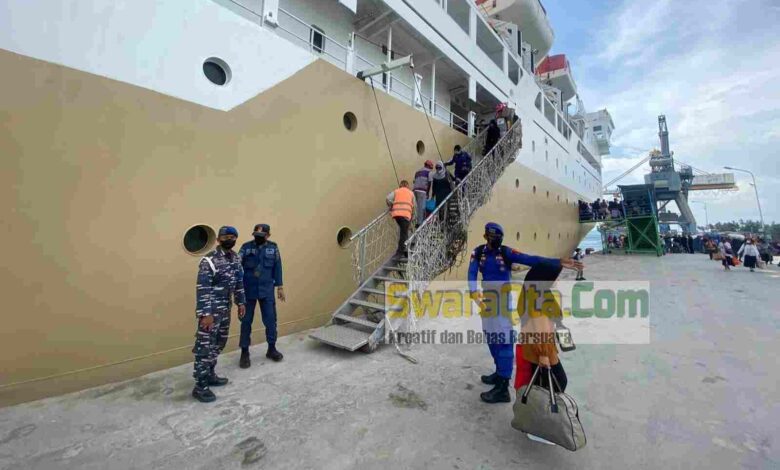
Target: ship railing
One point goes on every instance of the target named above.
(299, 30)
(439, 243)
(375, 243)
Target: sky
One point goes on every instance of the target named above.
(711, 66)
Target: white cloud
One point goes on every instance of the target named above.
(713, 68)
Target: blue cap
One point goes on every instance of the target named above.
(228, 230)
(262, 228)
(494, 228)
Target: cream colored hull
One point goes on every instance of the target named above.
(100, 181)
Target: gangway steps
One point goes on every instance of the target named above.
(391, 279)
(360, 323)
(355, 320)
(342, 336)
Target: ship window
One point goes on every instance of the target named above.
(343, 236)
(420, 147)
(596, 128)
(317, 39)
(514, 70)
(538, 101)
(198, 239)
(216, 71)
(350, 121)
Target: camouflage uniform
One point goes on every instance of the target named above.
(219, 275)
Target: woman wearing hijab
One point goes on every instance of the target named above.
(441, 186)
(750, 253)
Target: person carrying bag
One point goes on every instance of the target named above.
(551, 415)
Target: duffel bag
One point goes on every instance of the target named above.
(548, 414)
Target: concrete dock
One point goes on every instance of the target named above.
(703, 394)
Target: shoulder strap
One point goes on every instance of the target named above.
(478, 251)
(211, 264)
(506, 256)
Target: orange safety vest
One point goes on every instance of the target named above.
(403, 202)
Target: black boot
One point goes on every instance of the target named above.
(202, 393)
(499, 393)
(273, 354)
(244, 362)
(490, 379)
(216, 381)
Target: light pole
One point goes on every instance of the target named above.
(706, 217)
(755, 187)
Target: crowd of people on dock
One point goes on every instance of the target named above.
(752, 251)
(601, 209)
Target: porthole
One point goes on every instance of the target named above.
(420, 147)
(198, 239)
(216, 71)
(517, 183)
(350, 121)
(534, 189)
(343, 236)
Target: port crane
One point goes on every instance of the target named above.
(669, 184)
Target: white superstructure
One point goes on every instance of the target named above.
(467, 58)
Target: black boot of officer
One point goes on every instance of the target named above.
(216, 381)
(202, 393)
(499, 393)
(489, 379)
(273, 354)
(245, 362)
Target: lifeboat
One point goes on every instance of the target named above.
(529, 16)
(555, 71)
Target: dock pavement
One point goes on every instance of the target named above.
(703, 394)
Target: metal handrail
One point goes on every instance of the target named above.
(463, 181)
(329, 39)
(360, 263)
(363, 230)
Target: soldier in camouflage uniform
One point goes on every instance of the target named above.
(219, 276)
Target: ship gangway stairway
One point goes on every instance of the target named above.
(437, 245)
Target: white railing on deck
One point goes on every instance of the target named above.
(301, 31)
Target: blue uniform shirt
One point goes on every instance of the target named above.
(493, 268)
(462, 162)
(262, 269)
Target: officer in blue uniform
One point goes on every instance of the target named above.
(262, 265)
(495, 261)
(220, 278)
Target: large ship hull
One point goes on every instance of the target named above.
(101, 179)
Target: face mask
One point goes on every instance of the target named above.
(227, 244)
(260, 239)
(494, 242)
